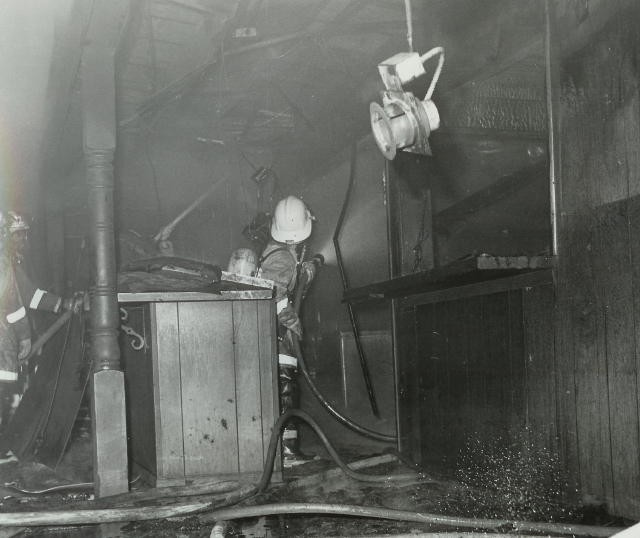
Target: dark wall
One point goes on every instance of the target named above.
(477, 370)
(562, 361)
(598, 280)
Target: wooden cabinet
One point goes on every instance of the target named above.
(202, 394)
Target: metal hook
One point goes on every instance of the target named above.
(137, 340)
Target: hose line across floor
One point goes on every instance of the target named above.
(82, 516)
(219, 513)
(413, 517)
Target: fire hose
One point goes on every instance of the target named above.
(112, 515)
(297, 349)
(48, 334)
(216, 503)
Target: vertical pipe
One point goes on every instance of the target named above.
(408, 11)
(552, 130)
(392, 259)
(108, 411)
(345, 285)
(104, 303)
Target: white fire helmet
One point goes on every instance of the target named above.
(291, 221)
(17, 223)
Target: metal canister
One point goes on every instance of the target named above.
(243, 261)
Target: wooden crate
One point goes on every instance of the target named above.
(202, 397)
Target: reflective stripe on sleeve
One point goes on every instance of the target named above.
(290, 434)
(6, 375)
(287, 360)
(281, 305)
(37, 297)
(17, 315)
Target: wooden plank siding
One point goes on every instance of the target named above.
(558, 360)
(203, 391)
(207, 372)
(409, 434)
(539, 383)
(167, 433)
(597, 279)
(247, 385)
(468, 380)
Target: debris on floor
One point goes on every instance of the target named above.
(492, 480)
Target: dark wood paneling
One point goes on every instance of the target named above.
(596, 353)
(139, 389)
(615, 298)
(582, 308)
(470, 373)
(565, 372)
(540, 382)
(406, 391)
(496, 362)
(430, 382)
(476, 356)
(517, 348)
(634, 251)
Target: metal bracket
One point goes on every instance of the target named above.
(137, 340)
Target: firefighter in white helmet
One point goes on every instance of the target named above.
(34, 297)
(18, 234)
(15, 333)
(19, 295)
(280, 262)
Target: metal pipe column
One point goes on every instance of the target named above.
(108, 411)
(105, 351)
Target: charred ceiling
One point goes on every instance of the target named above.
(294, 78)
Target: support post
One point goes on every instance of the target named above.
(110, 464)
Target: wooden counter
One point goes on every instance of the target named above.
(202, 394)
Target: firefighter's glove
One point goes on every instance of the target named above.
(24, 348)
(308, 271)
(290, 320)
(74, 304)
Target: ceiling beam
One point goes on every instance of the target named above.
(176, 88)
(297, 110)
(332, 12)
(494, 67)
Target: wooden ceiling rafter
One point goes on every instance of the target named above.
(335, 8)
(495, 67)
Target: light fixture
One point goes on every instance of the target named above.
(403, 121)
